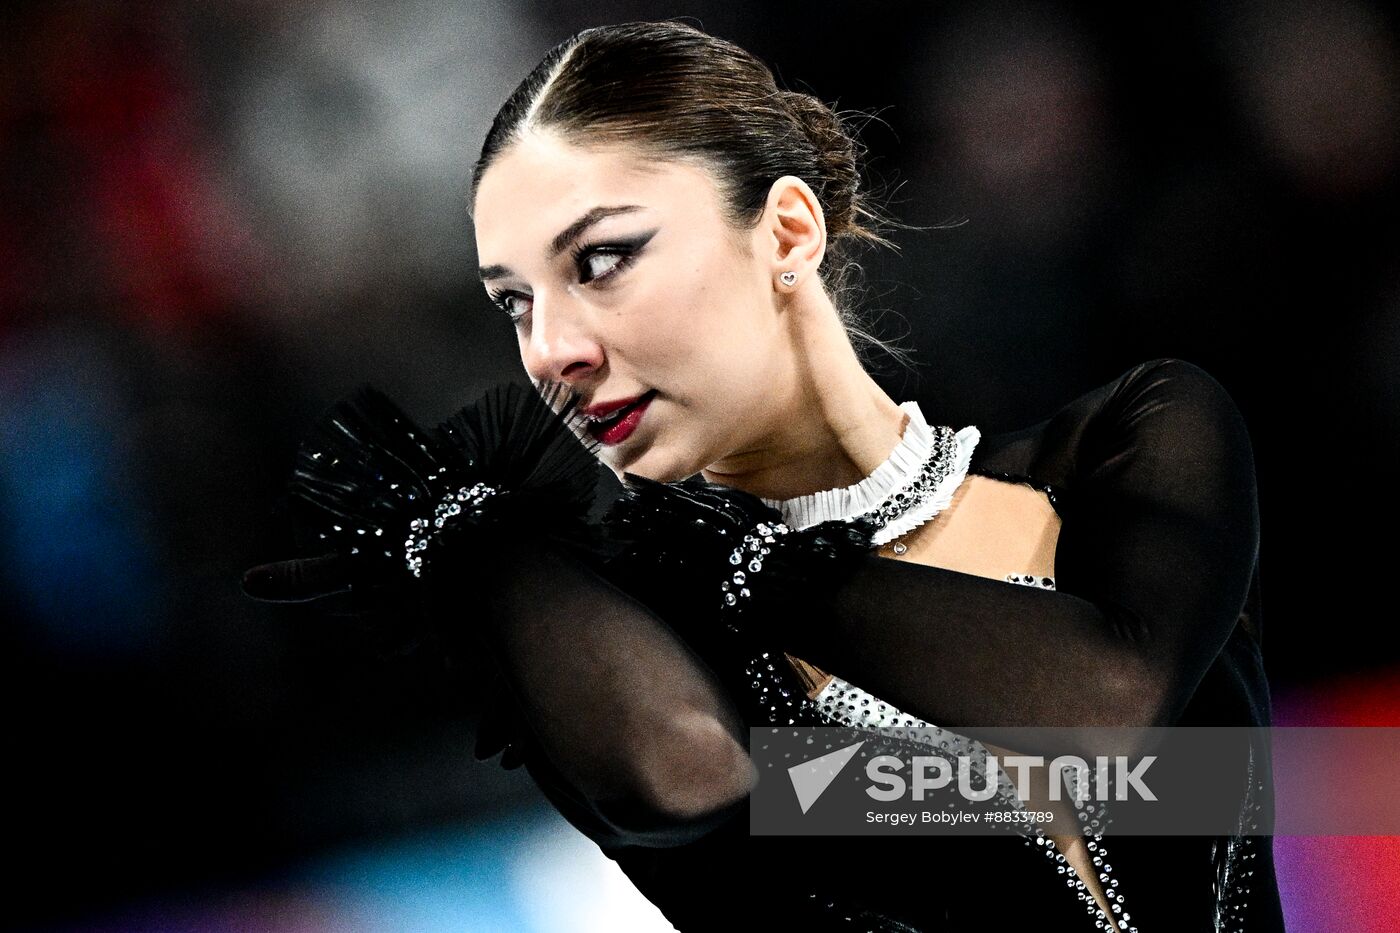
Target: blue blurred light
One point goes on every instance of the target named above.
(74, 555)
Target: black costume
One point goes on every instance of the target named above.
(1152, 617)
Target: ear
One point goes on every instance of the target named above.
(795, 228)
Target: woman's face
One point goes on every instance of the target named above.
(624, 281)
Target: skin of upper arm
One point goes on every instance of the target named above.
(702, 783)
(702, 787)
(704, 769)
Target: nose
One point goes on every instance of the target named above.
(560, 346)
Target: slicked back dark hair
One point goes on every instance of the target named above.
(677, 93)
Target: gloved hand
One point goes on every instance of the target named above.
(728, 546)
(299, 580)
(399, 529)
(328, 583)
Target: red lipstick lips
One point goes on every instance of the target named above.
(613, 422)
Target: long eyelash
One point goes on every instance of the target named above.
(498, 297)
(625, 253)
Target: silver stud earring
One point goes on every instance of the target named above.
(788, 277)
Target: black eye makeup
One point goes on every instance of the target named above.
(594, 262)
(624, 251)
(502, 298)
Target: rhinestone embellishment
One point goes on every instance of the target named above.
(1030, 579)
(748, 559)
(422, 530)
(940, 463)
(1236, 868)
(844, 704)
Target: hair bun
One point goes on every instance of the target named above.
(838, 156)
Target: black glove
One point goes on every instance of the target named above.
(402, 529)
(727, 546)
(299, 580)
(375, 498)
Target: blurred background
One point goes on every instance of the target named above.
(219, 218)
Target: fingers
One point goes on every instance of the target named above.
(718, 509)
(513, 757)
(298, 581)
(492, 737)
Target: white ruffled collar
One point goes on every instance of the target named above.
(899, 470)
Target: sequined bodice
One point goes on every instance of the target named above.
(842, 703)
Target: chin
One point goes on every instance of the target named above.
(654, 465)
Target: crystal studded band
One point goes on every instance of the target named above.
(941, 462)
(747, 559)
(422, 530)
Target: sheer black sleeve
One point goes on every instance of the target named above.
(618, 720)
(472, 540)
(1157, 545)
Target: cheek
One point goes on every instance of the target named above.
(675, 326)
(694, 332)
(719, 317)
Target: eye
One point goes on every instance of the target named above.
(505, 301)
(596, 263)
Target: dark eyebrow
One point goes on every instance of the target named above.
(566, 236)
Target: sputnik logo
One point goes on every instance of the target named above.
(811, 778)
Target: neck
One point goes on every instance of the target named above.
(832, 424)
